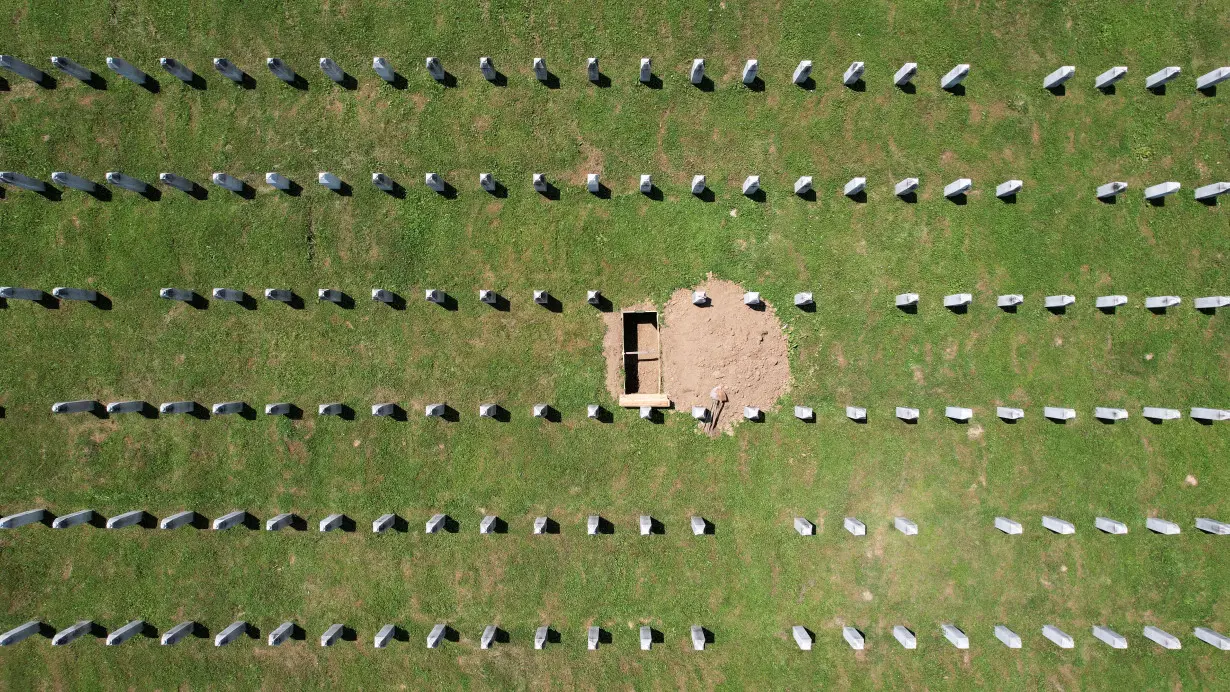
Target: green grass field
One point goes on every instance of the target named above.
(755, 577)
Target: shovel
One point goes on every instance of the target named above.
(718, 396)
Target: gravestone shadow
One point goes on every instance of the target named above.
(757, 84)
(603, 81)
(706, 85)
(958, 90)
(1058, 90)
(910, 197)
(859, 85)
(960, 199)
(808, 84)
(1108, 90)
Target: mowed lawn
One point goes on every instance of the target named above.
(754, 578)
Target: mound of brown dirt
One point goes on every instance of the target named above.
(725, 343)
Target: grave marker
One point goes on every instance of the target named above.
(906, 187)
(488, 637)
(750, 69)
(1109, 637)
(178, 632)
(1110, 190)
(279, 522)
(960, 186)
(24, 182)
(329, 180)
(277, 180)
(592, 185)
(646, 71)
(905, 637)
(804, 527)
(434, 410)
(540, 182)
(435, 68)
(281, 70)
(76, 182)
(1162, 638)
(126, 70)
(854, 526)
(1008, 526)
(1212, 638)
(487, 68)
(802, 637)
(1110, 414)
(591, 524)
(331, 635)
(435, 523)
(1161, 190)
(126, 519)
(79, 406)
(698, 184)
(1162, 302)
(646, 184)
(592, 72)
(178, 519)
(69, 634)
(802, 73)
(906, 413)
(540, 637)
(1162, 76)
(905, 526)
(331, 522)
(751, 413)
(856, 413)
(646, 637)
(854, 187)
(1110, 302)
(1056, 79)
(1009, 300)
(699, 526)
(384, 410)
(23, 69)
(853, 74)
(331, 409)
(1212, 78)
(1058, 413)
(751, 185)
(592, 635)
(486, 182)
(1210, 414)
(383, 69)
(1107, 525)
(233, 631)
(1203, 523)
(1166, 528)
(1009, 413)
(434, 182)
(86, 516)
(281, 633)
(698, 638)
(959, 413)
(540, 70)
(752, 299)
(954, 635)
(854, 638)
(20, 519)
(906, 300)
(804, 413)
(383, 523)
(1011, 639)
(125, 632)
(278, 409)
(332, 70)
(1058, 526)
(436, 635)
(802, 186)
(696, 74)
(1058, 637)
(1204, 192)
(700, 298)
(954, 76)
(383, 182)
(1109, 77)
(384, 636)
(227, 521)
(905, 74)
(487, 525)
(1008, 188)
(540, 525)
(1161, 414)
(228, 69)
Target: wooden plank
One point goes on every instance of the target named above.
(639, 400)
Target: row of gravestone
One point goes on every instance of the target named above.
(492, 634)
(804, 527)
(490, 524)
(749, 75)
(288, 631)
(701, 414)
(1059, 303)
(957, 302)
(855, 188)
(1008, 414)
(805, 638)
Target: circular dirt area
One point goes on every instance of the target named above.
(725, 343)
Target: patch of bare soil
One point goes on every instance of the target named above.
(724, 343)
